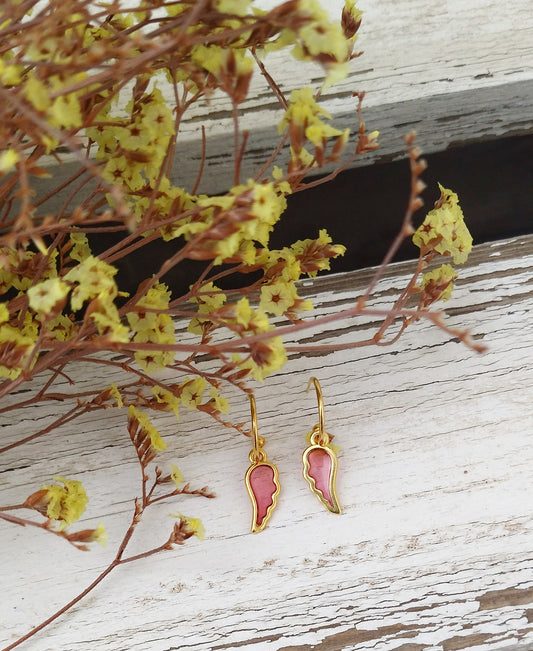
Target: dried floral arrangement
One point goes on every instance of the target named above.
(109, 85)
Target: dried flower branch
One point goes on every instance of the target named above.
(59, 504)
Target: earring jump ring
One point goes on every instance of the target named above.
(323, 436)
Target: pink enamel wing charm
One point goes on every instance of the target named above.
(262, 481)
(320, 461)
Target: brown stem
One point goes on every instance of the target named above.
(64, 609)
(237, 159)
(202, 162)
(43, 526)
(62, 420)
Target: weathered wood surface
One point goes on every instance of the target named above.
(456, 72)
(434, 549)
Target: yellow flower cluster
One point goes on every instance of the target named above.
(60, 110)
(444, 230)
(8, 159)
(176, 476)
(16, 347)
(65, 503)
(151, 430)
(192, 392)
(209, 298)
(80, 246)
(245, 215)
(17, 268)
(437, 284)
(93, 281)
(98, 535)
(150, 323)
(133, 148)
(44, 296)
(318, 38)
(320, 35)
(193, 525)
(266, 357)
(167, 399)
(232, 68)
(303, 120)
(315, 255)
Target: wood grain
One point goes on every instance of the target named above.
(433, 551)
(457, 72)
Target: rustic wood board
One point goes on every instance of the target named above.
(434, 549)
(456, 72)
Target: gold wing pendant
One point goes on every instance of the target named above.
(263, 487)
(320, 472)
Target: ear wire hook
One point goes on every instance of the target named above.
(323, 437)
(257, 454)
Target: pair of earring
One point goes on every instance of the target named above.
(319, 468)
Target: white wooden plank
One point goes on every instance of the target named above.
(432, 552)
(455, 71)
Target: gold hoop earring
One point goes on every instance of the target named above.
(261, 479)
(320, 461)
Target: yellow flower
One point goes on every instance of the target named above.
(80, 250)
(10, 75)
(319, 132)
(319, 38)
(65, 112)
(115, 393)
(268, 206)
(193, 525)
(49, 142)
(65, 503)
(120, 171)
(303, 109)
(266, 357)
(16, 348)
(44, 296)
(99, 535)
(166, 398)
(176, 476)
(60, 328)
(192, 392)
(208, 57)
(37, 93)
(220, 403)
(155, 437)
(92, 278)
(437, 284)
(315, 255)
(4, 313)
(283, 263)
(153, 327)
(157, 115)
(278, 297)
(8, 159)
(444, 230)
(209, 298)
(105, 314)
(243, 312)
(323, 41)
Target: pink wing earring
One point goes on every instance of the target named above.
(261, 478)
(320, 461)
